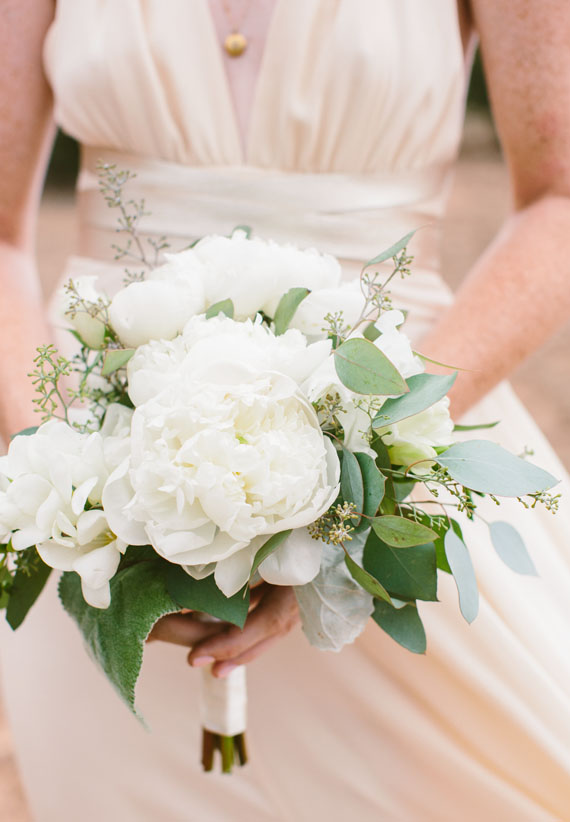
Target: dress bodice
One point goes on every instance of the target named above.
(344, 85)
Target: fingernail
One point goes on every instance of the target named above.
(200, 661)
(225, 669)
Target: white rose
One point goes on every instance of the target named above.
(48, 479)
(417, 437)
(396, 345)
(253, 273)
(154, 310)
(218, 462)
(310, 315)
(205, 343)
(84, 319)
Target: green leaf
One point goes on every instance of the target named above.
(407, 573)
(486, 467)
(463, 574)
(509, 545)
(25, 432)
(116, 635)
(371, 332)
(116, 358)
(288, 304)
(374, 484)
(403, 488)
(478, 427)
(25, 590)
(267, 548)
(425, 390)
(401, 532)
(392, 251)
(351, 483)
(402, 624)
(204, 595)
(222, 307)
(383, 464)
(365, 369)
(366, 580)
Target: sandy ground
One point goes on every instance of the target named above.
(478, 202)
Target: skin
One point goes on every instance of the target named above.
(512, 300)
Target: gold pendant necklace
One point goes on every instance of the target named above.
(236, 42)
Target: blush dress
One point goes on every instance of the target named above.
(355, 126)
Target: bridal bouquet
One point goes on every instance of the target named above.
(237, 414)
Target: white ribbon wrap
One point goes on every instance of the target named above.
(224, 702)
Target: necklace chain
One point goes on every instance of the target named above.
(236, 42)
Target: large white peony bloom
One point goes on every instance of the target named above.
(218, 462)
(205, 343)
(48, 478)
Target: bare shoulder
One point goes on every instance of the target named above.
(25, 109)
(526, 55)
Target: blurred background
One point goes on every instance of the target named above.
(479, 201)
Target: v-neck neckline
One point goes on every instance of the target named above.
(243, 142)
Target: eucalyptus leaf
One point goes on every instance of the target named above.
(392, 251)
(463, 574)
(424, 391)
(267, 548)
(479, 427)
(510, 546)
(288, 304)
(115, 636)
(351, 483)
(371, 332)
(222, 307)
(25, 589)
(116, 358)
(365, 369)
(374, 484)
(406, 573)
(486, 467)
(334, 608)
(366, 580)
(383, 463)
(25, 432)
(402, 624)
(401, 532)
(204, 595)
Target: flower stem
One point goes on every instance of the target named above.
(232, 750)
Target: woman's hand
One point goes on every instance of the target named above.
(272, 615)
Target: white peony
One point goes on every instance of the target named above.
(417, 437)
(253, 273)
(48, 478)
(218, 461)
(84, 319)
(310, 315)
(204, 343)
(154, 309)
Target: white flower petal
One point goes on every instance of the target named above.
(295, 562)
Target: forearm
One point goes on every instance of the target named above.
(514, 298)
(23, 326)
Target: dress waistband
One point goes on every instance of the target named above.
(353, 216)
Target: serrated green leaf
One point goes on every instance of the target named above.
(267, 548)
(392, 251)
(374, 484)
(116, 358)
(425, 390)
(288, 304)
(25, 590)
(403, 624)
(463, 574)
(204, 595)
(401, 532)
(351, 483)
(407, 573)
(25, 432)
(366, 580)
(115, 636)
(486, 467)
(222, 307)
(510, 547)
(365, 369)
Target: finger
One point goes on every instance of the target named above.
(222, 669)
(256, 595)
(181, 629)
(276, 614)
